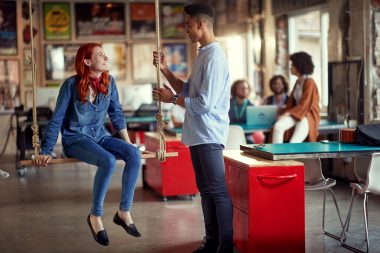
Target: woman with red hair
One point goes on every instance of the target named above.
(82, 105)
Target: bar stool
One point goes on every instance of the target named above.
(371, 185)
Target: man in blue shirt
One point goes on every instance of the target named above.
(205, 95)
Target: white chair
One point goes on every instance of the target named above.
(371, 185)
(236, 137)
(315, 181)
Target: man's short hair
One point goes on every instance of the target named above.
(199, 9)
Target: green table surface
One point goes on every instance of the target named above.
(308, 150)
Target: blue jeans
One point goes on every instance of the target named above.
(208, 165)
(104, 155)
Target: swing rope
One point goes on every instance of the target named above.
(35, 127)
(161, 124)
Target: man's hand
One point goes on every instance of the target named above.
(163, 62)
(163, 94)
(41, 160)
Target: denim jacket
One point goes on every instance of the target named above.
(77, 120)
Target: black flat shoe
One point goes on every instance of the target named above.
(101, 237)
(131, 229)
(208, 246)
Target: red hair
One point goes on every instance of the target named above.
(83, 71)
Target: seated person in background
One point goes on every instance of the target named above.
(302, 108)
(240, 91)
(280, 87)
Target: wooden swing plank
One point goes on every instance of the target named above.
(144, 155)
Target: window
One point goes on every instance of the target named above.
(308, 32)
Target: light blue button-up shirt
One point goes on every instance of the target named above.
(207, 98)
(77, 120)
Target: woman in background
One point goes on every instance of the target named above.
(302, 108)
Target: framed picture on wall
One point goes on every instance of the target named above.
(8, 28)
(116, 53)
(28, 80)
(176, 54)
(25, 22)
(60, 61)
(28, 56)
(9, 84)
(57, 25)
(100, 19)
(143, 20)
(143, 69)
(173, 22)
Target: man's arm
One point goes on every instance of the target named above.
(175, 82)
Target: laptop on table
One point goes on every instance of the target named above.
(261, 116)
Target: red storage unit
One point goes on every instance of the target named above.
(173, 177)
(268, 203)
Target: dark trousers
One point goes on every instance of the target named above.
(208, 165)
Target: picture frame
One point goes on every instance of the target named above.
(57, 21)
(100, 20)
(176, 56)
(9, 84)
(116, 53)
(28, 81)
(8, 28)
(143, 20)
(25, 22)
(143, 69)
(28, 55)
(60, 61)
(172, 21)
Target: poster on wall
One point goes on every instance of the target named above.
(25, 22)
(9, 84)
(116, 53)
(173, 23)
(57, 24)
(8, 28)
(100, 19)
(143, 68)
(143, 20)
(60, 61)
(176, 55)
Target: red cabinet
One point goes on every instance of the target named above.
(173, 177)
(268, 203)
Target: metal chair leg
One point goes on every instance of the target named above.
(345, 227)
(338, 211)
(365, 212)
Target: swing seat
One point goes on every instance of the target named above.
(144, 155)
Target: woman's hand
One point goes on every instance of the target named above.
(163, 62)
(41, 160)
(163, 94)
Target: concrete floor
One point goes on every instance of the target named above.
(46, 212)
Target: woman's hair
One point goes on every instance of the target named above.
(302, 61)
(283, 80)
(83, 71)
(236, 84)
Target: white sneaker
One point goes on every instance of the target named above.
(4, 174)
